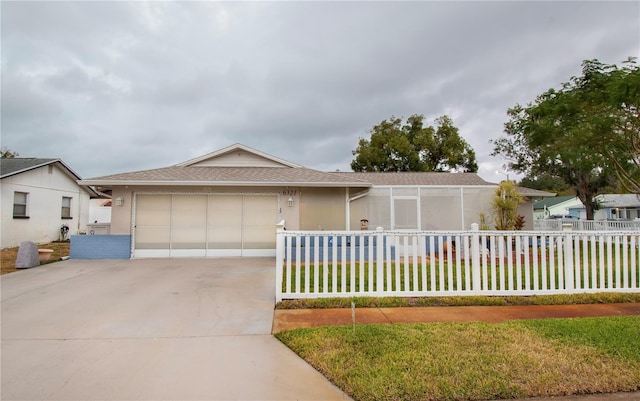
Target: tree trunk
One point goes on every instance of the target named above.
(586, 196)
(590, 208)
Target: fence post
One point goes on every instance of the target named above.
(279, 259)
(569, 283)
(475, 258)
(380, 260)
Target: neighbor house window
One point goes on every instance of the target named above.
(66, 207)
(20, 205)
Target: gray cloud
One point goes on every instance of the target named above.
(122, 86)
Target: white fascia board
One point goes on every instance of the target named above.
(75, 175)
(432, 186)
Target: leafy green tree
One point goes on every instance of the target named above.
(505, 207)
(546, 182)
(412, 146)
(618, 135)
(6, 153)
(584, 133)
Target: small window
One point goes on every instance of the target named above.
(66, 207)
(20, 205)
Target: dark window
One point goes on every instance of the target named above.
(66, 207)
(20, 204)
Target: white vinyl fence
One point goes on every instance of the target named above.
(586, 225)
(318, 264)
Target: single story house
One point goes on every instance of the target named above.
(39, 196)
(227, 203)
(555, 207)
(623, 207)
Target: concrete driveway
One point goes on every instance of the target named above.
(149, 329)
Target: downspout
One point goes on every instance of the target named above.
(349, 200)
(361, 195)
(80, 209)
(462, 208)
(419, 209)
(347, 215)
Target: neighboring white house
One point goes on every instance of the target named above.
(38, 197)
(555, 207)
(622, 207)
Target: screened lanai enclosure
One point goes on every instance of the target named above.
(422, 208)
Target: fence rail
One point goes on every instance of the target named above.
(318, 264)
(586, 225)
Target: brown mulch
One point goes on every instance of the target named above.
(8, 255)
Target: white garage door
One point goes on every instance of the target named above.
(176, 225)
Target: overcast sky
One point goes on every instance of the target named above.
(111, 87)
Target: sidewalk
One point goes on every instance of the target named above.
(299, 318)
(635, 396)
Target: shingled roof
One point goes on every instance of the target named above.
(17, 165)
(533, 193)
(274, 176)
(552, 201)
(14, 166)
(210, 170)
(229, 176)
(418, 178)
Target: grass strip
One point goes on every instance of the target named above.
(394, 302)
(475, 361)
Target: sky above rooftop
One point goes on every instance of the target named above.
(111, 87)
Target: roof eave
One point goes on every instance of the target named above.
(144, 183)
(538, 194)
(434, 185)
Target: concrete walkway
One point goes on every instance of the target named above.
(148, 329)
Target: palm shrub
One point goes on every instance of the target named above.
(505, 206)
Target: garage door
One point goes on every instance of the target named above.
(176, 225)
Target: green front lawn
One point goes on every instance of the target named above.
(475, 361)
